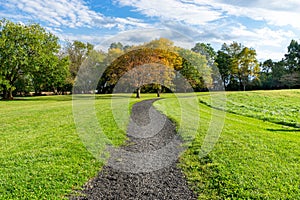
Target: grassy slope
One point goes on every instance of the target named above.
(252, 159)
(278, 106)
(41, 155)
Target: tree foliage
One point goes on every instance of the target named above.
(248, 67)
(225, 67)
(195, 69)
(284, 73)
(237, 65)
(293, 56)
(140, 57)
(160, 52)
(26, 50)
(90, 72)
(77, 52)
(31, 59)
(211, 55)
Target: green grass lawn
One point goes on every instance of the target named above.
(278, 106)
(253, 159)
(43, 157)
(41, 154)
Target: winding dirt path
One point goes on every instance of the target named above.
(146, 167)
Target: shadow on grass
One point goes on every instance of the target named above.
(68, 97)
(283, 130)
(44, 98)
(114, 96)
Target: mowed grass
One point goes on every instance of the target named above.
(41, 153)
(43, 157)
(278, 106)
(253, 159)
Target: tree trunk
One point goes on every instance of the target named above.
(55, 91)
(225, 87)
(36, 92)
(240, 84)
(7, 94)
(138, 92)
(158, 92)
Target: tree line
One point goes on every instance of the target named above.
(33, 60)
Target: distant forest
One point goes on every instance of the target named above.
(33, 61)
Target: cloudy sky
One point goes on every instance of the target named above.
(265, 25)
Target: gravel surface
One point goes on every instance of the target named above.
(146, 167)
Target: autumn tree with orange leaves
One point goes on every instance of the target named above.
(152, 61)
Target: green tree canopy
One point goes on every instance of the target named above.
(90, 72)
(237, 64)
(293, 56)
(25, 50)
(77, 52)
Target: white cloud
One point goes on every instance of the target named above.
(275, 5)
(267, 42)
(275, 12)
(140, 36)
(67, 13)
(209, 21)
(93, 39)
(201, 12)
(174, 10)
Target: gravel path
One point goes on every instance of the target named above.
(146, 167)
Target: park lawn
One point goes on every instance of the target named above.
(42, 157)
(253, 159)
(41, 154)
(278, 106)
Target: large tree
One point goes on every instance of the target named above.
(77, 51)
(195, 70)
(140, 57)
(292, 58)
(90, 72)
(152, 56)
(223, 61)
(265, 74)
(207, 50)
(284, 73)
(278, 70)
(24, 49)
(211, 55)
(237, 64)
(51, 76)
(147, 74)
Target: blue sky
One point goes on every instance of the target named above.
(267, 26)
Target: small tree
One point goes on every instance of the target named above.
(248, 67)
